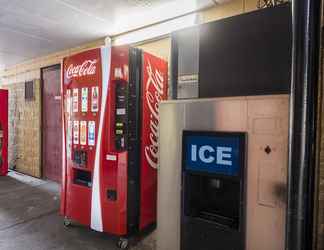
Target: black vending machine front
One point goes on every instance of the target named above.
(213, 190)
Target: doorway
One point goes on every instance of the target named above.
(52, 123)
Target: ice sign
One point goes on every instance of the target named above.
(214, 152)
(208, 154)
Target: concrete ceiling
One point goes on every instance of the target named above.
(31, 28)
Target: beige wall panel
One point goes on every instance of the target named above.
(250, 5)
(161, 48)
(232, 8)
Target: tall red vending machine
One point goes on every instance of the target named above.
(3, 132)
(110, 144)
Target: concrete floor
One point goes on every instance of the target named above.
(29, 219)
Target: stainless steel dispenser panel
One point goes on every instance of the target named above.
(265, 118)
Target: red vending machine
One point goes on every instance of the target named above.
(110, 124)
(3, 132)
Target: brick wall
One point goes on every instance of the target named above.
(24, 129)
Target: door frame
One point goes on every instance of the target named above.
(42, 158)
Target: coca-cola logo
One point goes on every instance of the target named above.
(154, 92)
(88, 67)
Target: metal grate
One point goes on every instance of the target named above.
(269, 3)
(29, 91)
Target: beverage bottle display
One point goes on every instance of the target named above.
(94, 105)
(76, 132)
(75, 100)
(68, 101)
(84, 100)
(91, 133)
(83, 132)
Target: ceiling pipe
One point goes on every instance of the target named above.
(216, 2)
(306, 18)
(108, 41)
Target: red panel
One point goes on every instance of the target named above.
(114, 172)
(82, 70)
(4, 131)
(154, 89)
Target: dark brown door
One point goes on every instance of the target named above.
(52, 123)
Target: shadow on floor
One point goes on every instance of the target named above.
(29, 219)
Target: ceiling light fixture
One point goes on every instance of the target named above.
(159, 13)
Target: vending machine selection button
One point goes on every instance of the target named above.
(119, 131)
(112, 195)
(75, 100)
(121, 111)
(110, 157)
(119, 124)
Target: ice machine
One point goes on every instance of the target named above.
(222, 173)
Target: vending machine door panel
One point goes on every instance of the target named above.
(82, 94)
(154, 90)
(114, 176)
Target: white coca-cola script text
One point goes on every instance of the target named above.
(88, 67)
(154, 92)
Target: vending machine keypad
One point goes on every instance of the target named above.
(111, 195)
(120, 114)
